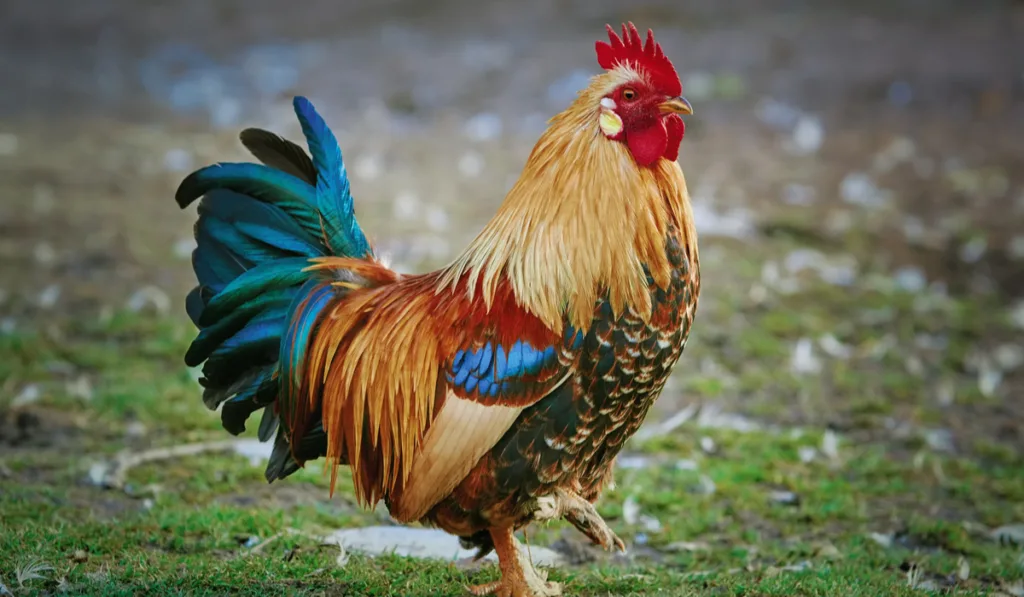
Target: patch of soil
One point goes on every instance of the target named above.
(285, 495)
(35, 428)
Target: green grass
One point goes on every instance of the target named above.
(879, 517)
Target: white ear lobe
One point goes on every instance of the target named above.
(608, 102)
(611, 124)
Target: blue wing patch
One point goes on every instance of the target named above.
(493, 371)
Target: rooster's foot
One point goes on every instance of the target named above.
(518, 576)
(581, 514)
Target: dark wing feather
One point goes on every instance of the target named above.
(278, 152)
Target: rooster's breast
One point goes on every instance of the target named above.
(571, 437)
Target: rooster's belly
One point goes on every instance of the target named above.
(571, 437)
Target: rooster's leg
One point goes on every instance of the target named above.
(518, 576)
(582, 515)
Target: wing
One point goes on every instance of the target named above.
(413, 386)
(487, 385)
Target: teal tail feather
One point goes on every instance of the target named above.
(255, 305)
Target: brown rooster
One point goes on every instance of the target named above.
(491, 393)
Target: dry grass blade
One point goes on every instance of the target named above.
(31, 571)
(126, 461)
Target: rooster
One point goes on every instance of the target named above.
(489, 394)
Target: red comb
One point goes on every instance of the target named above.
(647, 57)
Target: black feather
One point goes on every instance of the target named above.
(278, 152)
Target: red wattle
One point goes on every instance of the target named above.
(648, 144)
(675, 128)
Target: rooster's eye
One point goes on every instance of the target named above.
(628, 94)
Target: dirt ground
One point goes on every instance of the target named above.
(853, 165)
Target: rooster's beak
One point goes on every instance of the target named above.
(676, 105)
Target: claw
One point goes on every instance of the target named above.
(484, 589)
(581, 514)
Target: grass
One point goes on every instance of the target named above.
(712, 511)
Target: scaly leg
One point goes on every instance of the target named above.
(582, 515)
(518, 576)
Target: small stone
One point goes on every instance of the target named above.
(989, 378)
(368, 167)
(418, 543)
(786, 498)
(256, 451)
(135, 429)
(98, 474)
(807, 454)
(687, 546)
(803, 360)
(650, 524)
(940, 440)
(1010, 534)
(858, 188)
(29, 394)
(831, 346)
(437, 218)
(471, 164)
(1009, 356)
(79, 556)
(900, 150)
(827, 551)
(177, 160)
(81, 388)
(910, 279)
(798, 194)
(630, 510)
(963, 569)
(183, 247)
(486, 126)
(149, 296)
(44, 253)
(830, 444)
(808, 135)
(883, 539)
(708, 445)
(49, 296)
(406, 206)
(973, 250)
(632, 461)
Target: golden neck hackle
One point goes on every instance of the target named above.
(582, 219)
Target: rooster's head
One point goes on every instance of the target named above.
(641, 100)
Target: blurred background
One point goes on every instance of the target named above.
(857, 170)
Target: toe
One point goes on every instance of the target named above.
(490, 588)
